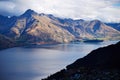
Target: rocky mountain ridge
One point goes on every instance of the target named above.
(31, 27)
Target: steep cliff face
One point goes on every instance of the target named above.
(32, 27)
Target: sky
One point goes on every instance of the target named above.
(104, 10)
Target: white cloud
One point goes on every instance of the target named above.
(104, 10)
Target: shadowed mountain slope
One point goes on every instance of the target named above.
(102, 64)
(114, 25)
(6, 42)
(106, 57)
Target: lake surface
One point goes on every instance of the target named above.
(35, 62)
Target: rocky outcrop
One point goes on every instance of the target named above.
(100, 64)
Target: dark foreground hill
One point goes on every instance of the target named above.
(100, 64)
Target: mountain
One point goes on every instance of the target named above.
(102, 64)
(31, 27)
(6, 42)
(114, 25)
(88, 29)
(6, 24)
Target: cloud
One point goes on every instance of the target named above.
(104, 10)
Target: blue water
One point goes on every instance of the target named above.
(35, 62)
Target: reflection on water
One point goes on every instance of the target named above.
(36, 62)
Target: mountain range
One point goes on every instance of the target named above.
(34, 28)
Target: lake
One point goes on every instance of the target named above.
(36, 62)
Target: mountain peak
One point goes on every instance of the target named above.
(29, 12)
(97, 21)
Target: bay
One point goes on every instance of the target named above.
(37, 62)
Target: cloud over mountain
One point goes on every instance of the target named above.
(105, 10)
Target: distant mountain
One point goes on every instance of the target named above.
(114, 25)
(31, 27)
(90, 29)
(102, 64)
(86, 29)
(6, 42)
